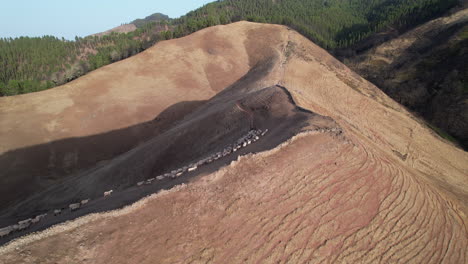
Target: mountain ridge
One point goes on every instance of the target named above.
(374, 184)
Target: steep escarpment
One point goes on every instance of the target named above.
(342, 174)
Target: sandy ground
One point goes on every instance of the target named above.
(387, 190)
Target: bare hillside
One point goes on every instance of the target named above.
(280, 154)
(52, 134)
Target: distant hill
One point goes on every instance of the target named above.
(137, 23)
(156, 17)
(125, 28)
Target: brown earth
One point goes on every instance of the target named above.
(120, 29)
(52, 134)
(385, 190)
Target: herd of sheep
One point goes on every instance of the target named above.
(249, 138)
(244, 141)
(21, 225)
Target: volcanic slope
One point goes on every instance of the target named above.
(45, 137)
(355, 179)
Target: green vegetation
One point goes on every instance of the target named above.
(156, 17)
(34, 64)
(329, 23)
(20, 59)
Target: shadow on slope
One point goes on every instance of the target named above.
(28, 170)
(207, 130)
(195, 131)
(31, 170)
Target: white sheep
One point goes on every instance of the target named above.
(57, 212)
(83, 202)
(6, 231)
(38, 218)
(23, 226)
(140, 183)
(74, 206)
(149, 181)
(192, 168)
(27, 221)
(160, 178)
(108, 193)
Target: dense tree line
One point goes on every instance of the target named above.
(34, 64)
(330, 23)
(21, 58)
(156, 17)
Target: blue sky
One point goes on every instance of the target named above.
(66, 18)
